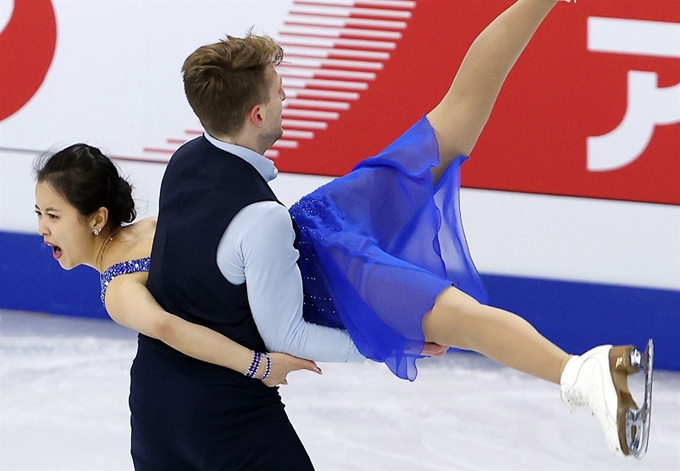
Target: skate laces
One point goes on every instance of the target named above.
(576, 398)
(576, 392)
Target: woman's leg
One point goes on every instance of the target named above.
(459, 118)
(598, 379)
(458, 320)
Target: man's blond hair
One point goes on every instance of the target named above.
(224, 80)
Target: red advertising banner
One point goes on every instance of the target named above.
(592, 108)
(27, 46)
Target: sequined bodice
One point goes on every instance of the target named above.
(122, 268)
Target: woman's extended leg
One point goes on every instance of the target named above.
(458, 320)
(597, 379)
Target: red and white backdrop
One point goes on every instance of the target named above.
(575, 179)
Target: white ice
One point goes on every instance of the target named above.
(63, 406)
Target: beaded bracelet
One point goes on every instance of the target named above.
(268, 369)
(254, 365)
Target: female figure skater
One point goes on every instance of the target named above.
(381, 250)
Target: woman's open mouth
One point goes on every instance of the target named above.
(56, 251)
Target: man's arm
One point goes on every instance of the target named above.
(257, 248)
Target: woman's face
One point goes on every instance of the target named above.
(63, 228)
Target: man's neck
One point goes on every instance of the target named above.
(242, 139)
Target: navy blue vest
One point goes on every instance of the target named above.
(202, 190)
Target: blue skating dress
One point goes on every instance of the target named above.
(379, 244)
(122, 268)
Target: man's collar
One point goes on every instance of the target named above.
(262, 164)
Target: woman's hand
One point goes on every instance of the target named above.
(281, 365)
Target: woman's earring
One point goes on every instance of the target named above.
(97, 231)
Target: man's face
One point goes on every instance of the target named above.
(272, 129)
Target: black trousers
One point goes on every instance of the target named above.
(189, 416)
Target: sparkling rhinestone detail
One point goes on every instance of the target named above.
(123, 268)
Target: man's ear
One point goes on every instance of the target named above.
(256, 115)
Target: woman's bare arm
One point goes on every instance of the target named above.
(130, 303)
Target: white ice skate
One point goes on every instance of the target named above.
(599, 379)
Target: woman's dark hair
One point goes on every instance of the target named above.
(88, 180)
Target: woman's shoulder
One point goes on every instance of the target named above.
(133, 242)
(146, 226)
(140, 234)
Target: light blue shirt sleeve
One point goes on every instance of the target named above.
(257, 247)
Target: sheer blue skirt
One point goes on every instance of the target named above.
(378, 245)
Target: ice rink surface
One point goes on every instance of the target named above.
(63, 406)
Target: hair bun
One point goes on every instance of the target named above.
(125, 204)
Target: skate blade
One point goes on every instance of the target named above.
(638, 421)
(633, 422)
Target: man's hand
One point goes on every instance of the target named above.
(433, 350)
(282, 364)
